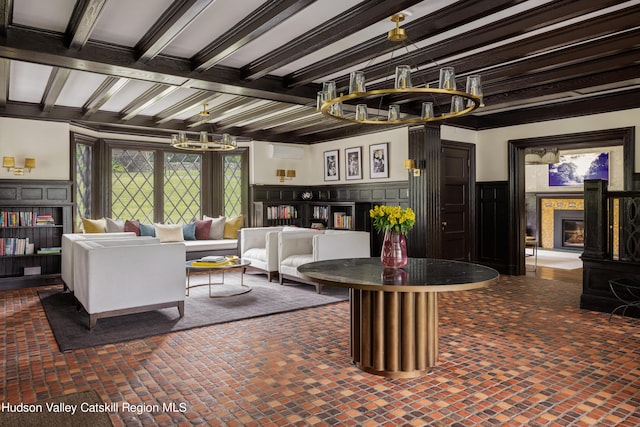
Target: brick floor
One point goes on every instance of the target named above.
(518, 353)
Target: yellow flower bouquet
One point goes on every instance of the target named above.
(392, 218)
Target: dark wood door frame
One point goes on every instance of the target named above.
(516, 151)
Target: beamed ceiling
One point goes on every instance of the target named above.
(150, 65)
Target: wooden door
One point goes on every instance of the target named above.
(455, 201)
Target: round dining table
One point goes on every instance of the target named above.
(394, 312)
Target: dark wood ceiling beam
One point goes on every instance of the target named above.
(355, 19)
(83, 19)
(152, 95)
(504, 30)
(445, 19)
(109, 87)
(267, 16)
(173, 21)
(219, 112)
(183, 106)
(46, 48)
(6, 12)
(5, 72)
(57, 79)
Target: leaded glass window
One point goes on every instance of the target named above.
(232, 184)
(182, 184)
(132, 184)
(83, 161)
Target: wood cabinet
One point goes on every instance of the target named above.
(33, 217)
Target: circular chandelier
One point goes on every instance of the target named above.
(462, 102)
(224, 142)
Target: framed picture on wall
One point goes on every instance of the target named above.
(573, 169)
(379, 160)
(331, 166)
(353, 162)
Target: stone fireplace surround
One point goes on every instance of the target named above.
(548, 206)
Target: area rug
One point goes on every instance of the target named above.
(73, 410)
(71, 327)
(562, 260)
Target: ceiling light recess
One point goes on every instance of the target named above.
(462, 102)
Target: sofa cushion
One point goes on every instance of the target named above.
(297, 260)
(211, 245)
(94, 225)
(133, 226)
(256, 253)
(232, 226)
(169, 232)
(203, 228)
(147, 230)
(189, 231)
(114, 225)
(217, 227)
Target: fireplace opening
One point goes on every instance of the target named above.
(573, 233)
(568, 229)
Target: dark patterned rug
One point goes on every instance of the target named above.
(71, 327)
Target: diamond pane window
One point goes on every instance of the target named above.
(232, 184)
(84, 154)
(182, 183)
(132, 184)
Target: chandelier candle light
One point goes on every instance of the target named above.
(462, 102)
(395, 222)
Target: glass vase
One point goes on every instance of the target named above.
(394, 249)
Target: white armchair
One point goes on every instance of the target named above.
(260, 246)
(114, 278)
(68, 244)
(295, 249)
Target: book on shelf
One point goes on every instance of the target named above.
(14, 246)
(51, 250)
(17, 218)
(44, 219)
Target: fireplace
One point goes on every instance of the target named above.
(568, 229)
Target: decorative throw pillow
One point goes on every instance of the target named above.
(217, 227)
(147, 230)
(114, 225)
(203, 228)
(94, 225)
(132, 226)
(232, 225)
(189, 231)
(169, 232)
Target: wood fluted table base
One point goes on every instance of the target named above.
(394, 334)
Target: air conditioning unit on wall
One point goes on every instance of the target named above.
(283, 151)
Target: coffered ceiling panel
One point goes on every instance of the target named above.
(150, 66)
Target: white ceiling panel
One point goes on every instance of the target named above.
(79, 87)
(52, 15)
(169, 100)
(211, 24)
(132, 90)
(28, 81)
(133, 19)
(293, 27)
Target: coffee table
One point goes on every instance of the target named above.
(238, 263)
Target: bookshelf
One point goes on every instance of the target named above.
(33, 217)
(335, 215)
(282, 213)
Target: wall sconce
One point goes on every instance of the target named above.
(411, 166)
(288, 174)
(9, 162)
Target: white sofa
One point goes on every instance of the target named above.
(260, 246)
(113, 278)
(295, 249)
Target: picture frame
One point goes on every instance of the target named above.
(573, 169)
(353, 162)
(379, 160)
(331, 165)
